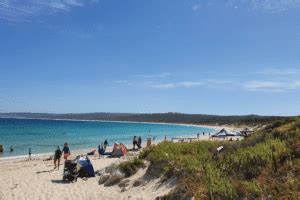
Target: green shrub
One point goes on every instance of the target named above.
(130, 167)
(218, 185)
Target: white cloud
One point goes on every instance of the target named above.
(164, 86)
(196, 7)
(24, 10)
(265, 85)
(184, 84)
(160, 75)
(266, 5)
(272, 85)
(280, 71)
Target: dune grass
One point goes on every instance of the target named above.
(263, 165)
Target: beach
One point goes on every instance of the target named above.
(21, 178)
(36, 179)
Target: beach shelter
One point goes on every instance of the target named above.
(119, 150)
(246, 132)
(224, 133)
(86, 168)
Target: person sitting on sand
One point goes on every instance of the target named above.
(101, 149)
(66, 151)
(57, 156)
(105, 144)
(139, 143)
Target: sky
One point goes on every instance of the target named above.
(225, 57)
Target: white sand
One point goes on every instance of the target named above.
(36, 179)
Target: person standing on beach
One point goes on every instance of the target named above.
(134, 142)
(57, 156)
(66, 151)
(139, 142)
(29, 153)
(105, 144)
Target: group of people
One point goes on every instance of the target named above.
(58, 153)
(137, 141)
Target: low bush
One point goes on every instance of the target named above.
(130, 167)
(266, 164)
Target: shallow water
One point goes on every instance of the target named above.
(42, 136)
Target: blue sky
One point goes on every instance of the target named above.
(192, 56)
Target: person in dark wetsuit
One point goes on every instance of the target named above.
(134, 142)
(105, 144)
(139, 143)
(57, 156)
(29, 153)
(66, 151)
(101, 149)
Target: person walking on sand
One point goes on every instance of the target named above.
(29, 153)
(57, 156)
(66, 151)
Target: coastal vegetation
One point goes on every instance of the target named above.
(264, 165)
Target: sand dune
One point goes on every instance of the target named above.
(36, 179)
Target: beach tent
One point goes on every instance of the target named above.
(224, 133)
(86, 168)
(119, 150)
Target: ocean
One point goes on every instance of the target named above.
(42, 136)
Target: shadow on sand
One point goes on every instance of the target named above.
(45, 171)
(60, 182)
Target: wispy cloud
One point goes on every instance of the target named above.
(272, 6)
(278, 86)
(160, 75)
(185, 84)
(25, 10)
(268, 80)
(266, 5)
(208, 83)
(280, 71)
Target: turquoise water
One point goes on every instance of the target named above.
(42, 136)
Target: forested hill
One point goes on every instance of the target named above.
(156, 117)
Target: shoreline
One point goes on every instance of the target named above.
(44, 154)
(82, 151)
(215, 127)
